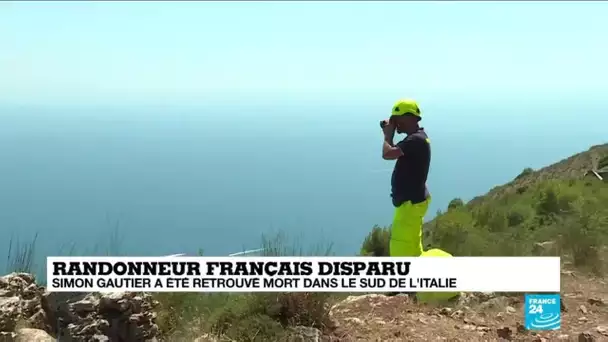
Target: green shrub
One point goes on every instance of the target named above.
(548, 202)
(377, 242)
(567, 212)
(295, 308)
(498, 221)
(455, 232)
(516, 216)
(246, 317)
(455, 203)
(584, 232)
(526, 172)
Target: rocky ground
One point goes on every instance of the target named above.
(477, 317)
(28, 313)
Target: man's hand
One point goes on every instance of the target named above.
(389, 150)
(388, 129)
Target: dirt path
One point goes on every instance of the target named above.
(474, 318)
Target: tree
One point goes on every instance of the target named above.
(455, 203)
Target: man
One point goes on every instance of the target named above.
(409, 192)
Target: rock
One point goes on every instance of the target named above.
(544, 248)
(355, 320)
(57, 308)
(596, 301)
(583, 319)
(33, 335)
(119, 316)
(10, 313)
(206, 338)
(458, 314)
(504, 332)
(20, 301)
(602, 330)
(495, 303)
(116, 301)
(101, 317)
(84, 306)
(332, 324)
(583, 309)
(305, 334)
(568, 273)
(562, 306)
(563, 337)
(539, 339)
(446, 311)
(586, 337)
(520, 328)
(485, 296)
(465, 299)
(510, 309)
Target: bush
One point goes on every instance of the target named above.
(377, 242)
(526, 172)
(491, 218)
(517, 216)
(498, 221)
(455, 203)
(246, 317)
(455, 232)
(564, 213)
(548, 202)
(296, 308)
(583, 233)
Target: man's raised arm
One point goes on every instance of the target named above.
(389, 150)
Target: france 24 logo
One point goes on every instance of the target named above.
(542, 312)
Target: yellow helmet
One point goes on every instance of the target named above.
(406, 107)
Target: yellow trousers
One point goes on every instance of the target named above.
(406, 232)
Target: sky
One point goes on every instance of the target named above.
(97, 52)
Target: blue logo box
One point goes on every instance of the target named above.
(542, 312)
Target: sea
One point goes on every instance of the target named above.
(218, 179)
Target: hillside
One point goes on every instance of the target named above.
(554, 210)
(551, 211)
(573, 167)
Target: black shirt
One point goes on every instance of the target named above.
(408, 182)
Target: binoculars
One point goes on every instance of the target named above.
(383, 123)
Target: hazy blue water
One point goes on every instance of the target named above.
(180, 179)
